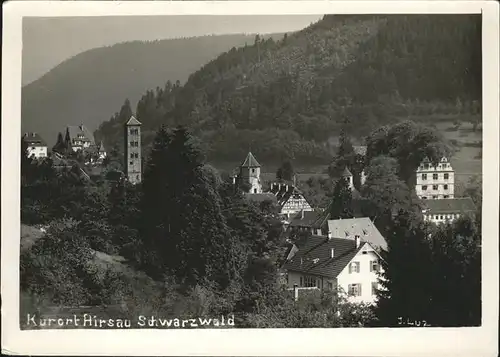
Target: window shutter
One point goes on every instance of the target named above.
(371, 266)
(359, 289)
(350, 268)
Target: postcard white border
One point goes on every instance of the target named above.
(237, 342)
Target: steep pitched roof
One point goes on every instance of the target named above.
(312, 219)
(260, 197)
(133, 121)
(362, 227)
(449, 205)
(314, 256)
(283, 193)
(75, 130)
(101, 147)
(34, 139)
(250, 161)
(346, 172)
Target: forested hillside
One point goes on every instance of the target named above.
(287, 98)
(87, 88)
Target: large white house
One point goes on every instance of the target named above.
(435, 181)
(36, 146)
(326, 263)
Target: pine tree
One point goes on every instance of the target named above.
(125, 112)
(182, 216)
(341, 204)
(59, 146)
(67, 142)
(405, 294)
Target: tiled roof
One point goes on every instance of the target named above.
(133, 121)
(449, 205)
(360, 150)
(34, 139)
(314, 256)
(363, 227)
(283, 192)
(260, 197)
(250, 161)
(346, 172)
(75, 130)
(312, 219)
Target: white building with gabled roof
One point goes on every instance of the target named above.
(435, 181)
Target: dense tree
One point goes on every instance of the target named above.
(445, 260)
(60, 146)
(409, 144)
(285, 172)
(407, 274)
(456, 289)
(341, 204)
(384, 193)
(183, 224)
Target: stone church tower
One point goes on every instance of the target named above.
(250, 172)
(133, 161)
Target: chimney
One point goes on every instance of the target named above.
(357, 240)
(332, 253)
(329, 235)
(295, 292)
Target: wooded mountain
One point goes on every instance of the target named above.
(286, 98)
(90, 86)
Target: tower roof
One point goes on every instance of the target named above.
(250, 161)
(346, 172)
(133, 121)
(101, 147)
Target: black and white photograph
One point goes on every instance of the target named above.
(281, 171)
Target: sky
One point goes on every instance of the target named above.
(49, 41)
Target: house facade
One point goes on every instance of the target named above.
(449, 210)
(80, 137)
(435, 181)
(326, 263)
(36, 146)
(290, 199)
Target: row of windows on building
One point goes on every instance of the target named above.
(134, 144)
(134, 155)
(440, 166)
(355, 289)
(355, 267)
(434, 197)
(434, 187)
(443, 216)
(134, 131)
(436, 176)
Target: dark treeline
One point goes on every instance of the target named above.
(286, 98)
